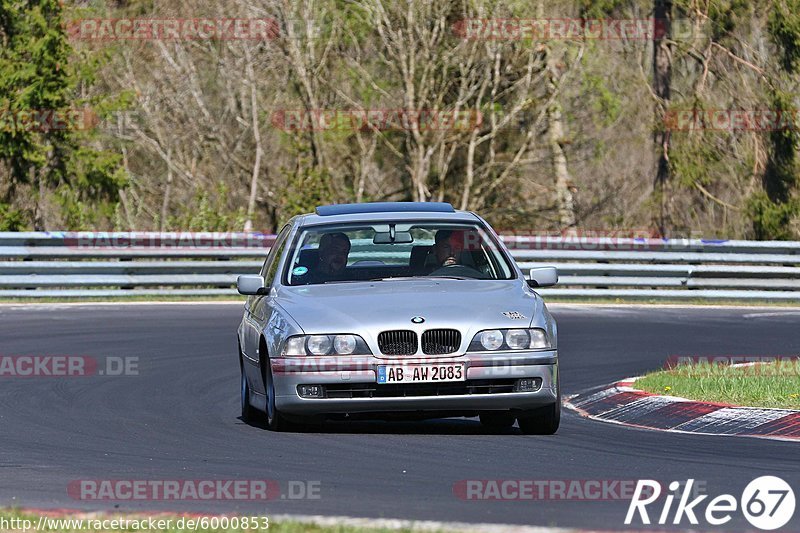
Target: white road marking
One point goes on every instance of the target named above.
(732, 420)
(642, 406)
(596, 396)
(770, 314)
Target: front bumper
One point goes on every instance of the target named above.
(341, 372)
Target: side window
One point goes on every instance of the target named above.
(274, 257)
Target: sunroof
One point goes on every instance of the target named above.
(385, 207)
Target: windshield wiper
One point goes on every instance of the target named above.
(443, 277)
(341, 281)
(412, 278)
(397, 278)
(351, 281)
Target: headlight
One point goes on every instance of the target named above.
(539, 339)
(295, 346)
(311, 345)
(518, 339)
(344, 344)
(492, 339)
(319, 344)
(510, 339)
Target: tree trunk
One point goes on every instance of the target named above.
(470, 178)
(662, 78)
(167, 193)
(555, 137)
(38, 213)
(251, 201)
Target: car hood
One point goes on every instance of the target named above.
(371, 307)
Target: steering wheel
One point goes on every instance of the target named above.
(461, 271)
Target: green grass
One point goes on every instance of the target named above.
(763, 385)
(552, 298)
(274, 526)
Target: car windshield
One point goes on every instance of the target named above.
(381, 251)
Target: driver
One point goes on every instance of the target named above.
(334, 248)
(448, 247)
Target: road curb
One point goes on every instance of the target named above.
(621, 403)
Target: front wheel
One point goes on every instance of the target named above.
(497, 420)
(541, 421)
(249, 413)
(276, 421)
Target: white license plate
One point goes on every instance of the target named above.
(421, 373)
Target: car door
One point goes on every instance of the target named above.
(257, 312)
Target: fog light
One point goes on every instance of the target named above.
(528, 385)
(311, 391)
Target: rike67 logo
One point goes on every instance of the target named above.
(767, 503)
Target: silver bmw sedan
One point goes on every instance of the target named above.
(403, 309)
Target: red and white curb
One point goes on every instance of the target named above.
(621, 403)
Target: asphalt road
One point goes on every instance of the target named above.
(179, 419)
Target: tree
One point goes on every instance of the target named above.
(776, 206)
(52, 175)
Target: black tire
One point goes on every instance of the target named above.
(541, 421)
(249, 413)
(276, 421)
(498, 420)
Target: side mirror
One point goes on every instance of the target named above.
(250, 285)
(543, 277)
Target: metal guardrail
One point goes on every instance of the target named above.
(79, 265)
